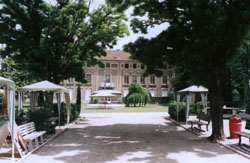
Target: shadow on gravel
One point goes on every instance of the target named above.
(243, 148)
(129, 143)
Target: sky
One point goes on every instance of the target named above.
(152, 32)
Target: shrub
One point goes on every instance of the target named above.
(19, 117)
(41, 119)
(136, 96)
(74, 114)
(95, 101)
(78, 98)
(172, 110)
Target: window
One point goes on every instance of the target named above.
(134, 65)
(114, 65)
(164, 93)
(164, 79)
(70, 80)
(142, 80)
(134, 78)
(88, 78)
(107, 65)
(126, 65)
(152, 80)
(152, 92)
(142, 67)
(107, 78)
(126, 79)
(125, 93)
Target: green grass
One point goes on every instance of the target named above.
(148, 108)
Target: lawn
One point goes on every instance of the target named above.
(148, 108)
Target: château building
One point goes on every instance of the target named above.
(119, 72)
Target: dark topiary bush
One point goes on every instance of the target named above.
(41, 119)
(95, 101)
(172, 110)
(78, 98)
(74, 114)
(20, 117)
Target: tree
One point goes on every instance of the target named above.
(9, 68)
(240, 75)
(54, 42)
(136, 95)
(201, 38)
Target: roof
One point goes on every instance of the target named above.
(109, 91)
(4, 81)
(103, 94)
(44, 86)
(193, 89)
(116, 55)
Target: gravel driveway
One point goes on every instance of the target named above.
(130, 137)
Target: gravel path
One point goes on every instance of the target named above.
(130, 137)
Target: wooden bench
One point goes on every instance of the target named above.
(244, 134)
(29, 133)
(201, 120)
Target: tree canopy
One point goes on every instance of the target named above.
(201, 38)
(54, 42)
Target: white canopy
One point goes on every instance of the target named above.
(189, 91)
(45, 86)
(10, 83)
(10, 88)
(108, 91)
(103, 94)
(193, 89)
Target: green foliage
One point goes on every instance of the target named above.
(41, 118)
(74, 114)
(160, 100)
(239, 70)
(95, 101)
(136, 96)
(40, 99)
(194, 108)
(201, 38)
(37, 36)
(20, 117)
(172, 110)
(172, 96)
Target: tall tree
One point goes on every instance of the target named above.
(54, 42)
(201, 38)
(239, 68)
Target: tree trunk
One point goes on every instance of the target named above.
(216, 111)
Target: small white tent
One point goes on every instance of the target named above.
(189, 91)
(45, 86)
(10, 88)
